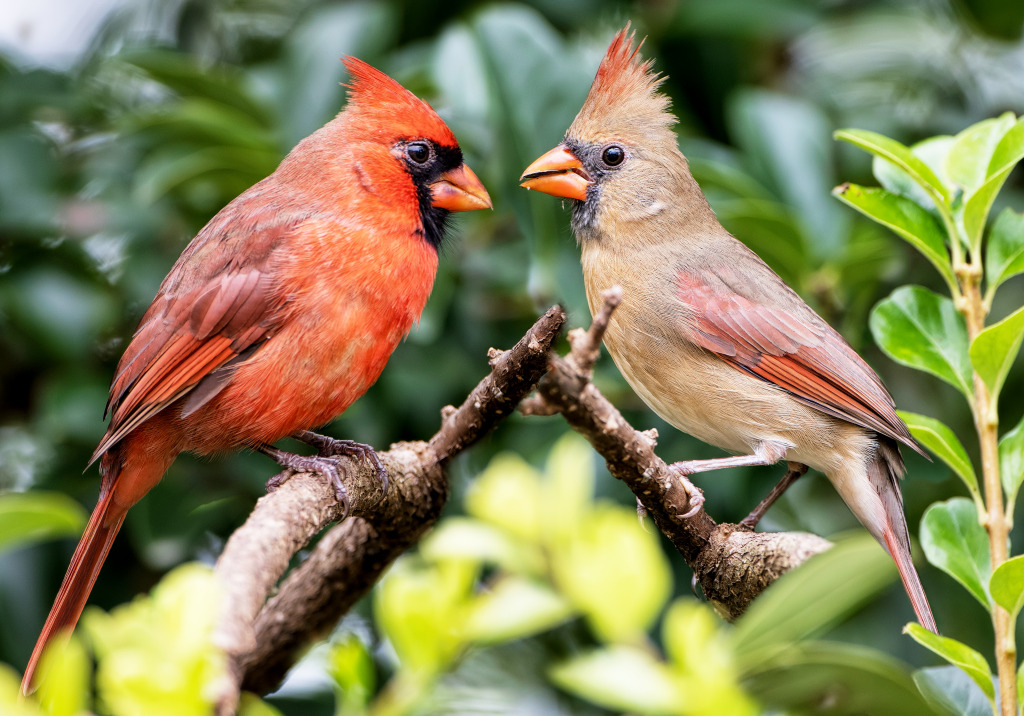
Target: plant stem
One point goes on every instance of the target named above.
(986, 420)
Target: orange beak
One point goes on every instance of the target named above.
(459, 190)
(558, 173)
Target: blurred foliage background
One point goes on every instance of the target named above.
(112, 163)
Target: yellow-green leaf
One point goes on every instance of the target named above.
(994, 350)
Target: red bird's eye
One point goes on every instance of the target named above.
(418, 152)
(613, 155)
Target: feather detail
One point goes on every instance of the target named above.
(807, 359)
(624, 93)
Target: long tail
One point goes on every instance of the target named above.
(85, 566)
(884, 472)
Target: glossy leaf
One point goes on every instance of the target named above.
(904, 217)
(994, 350)
(1007, 586)
(944, 444)
(1008, 152)
(952, 692)
(514, 608)
(838, 679)
(35, 516)
(898, 154)
(932, 152)
(954, 542)
(1004, 257)
(957, 653)
(968, 159)
(621, 678)
(808, 599)
(923, 330)
(1011, 463)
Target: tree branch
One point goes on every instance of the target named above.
(350, 558)
(732, 564)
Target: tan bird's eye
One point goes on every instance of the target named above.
(613, 155)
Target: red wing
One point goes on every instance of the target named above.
(801, 354)
(188, 334)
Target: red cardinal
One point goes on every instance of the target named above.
(709, 336)
(283, 310)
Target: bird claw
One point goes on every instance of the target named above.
(694, 497)
(325, 466)
(333, 447)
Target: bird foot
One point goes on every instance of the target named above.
(333, 447)
(694, 497)
(328, 467)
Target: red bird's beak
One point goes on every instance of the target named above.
(558, 173)
(460, 190)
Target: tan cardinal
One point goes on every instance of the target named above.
(709, 336)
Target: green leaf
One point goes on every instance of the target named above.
(253, 705)
(159, 650)
(351, 667)
(508, 495)
(27, 517)
(615, 572)
(11, 701)
(809, 599)
(944, 444)
(64, 678)
(698, 648)
(514, 608)
(952, 692)
(954, 542)
(569, 488)
(1011, 463)
(923, 330)
(836, 679)
(1004, 257)
(464, 538)
(1008, 152)
(994, 350)
(900, 155)
(932, 152)
(956, 653)
(621, 678)
(421, 607)
(969, 157)
(904, 217)
(1007, 587)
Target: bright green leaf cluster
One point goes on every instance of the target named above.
(937, 196)
(153, 656)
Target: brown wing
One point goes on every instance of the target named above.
(793, 349)
(217, 306)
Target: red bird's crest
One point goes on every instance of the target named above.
(392, 105)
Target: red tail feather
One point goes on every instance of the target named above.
(78, 582)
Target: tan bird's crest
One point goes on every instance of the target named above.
(624, 93)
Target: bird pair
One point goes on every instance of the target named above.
(286, 306)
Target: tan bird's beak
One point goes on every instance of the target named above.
(558, 173)
(459, 190)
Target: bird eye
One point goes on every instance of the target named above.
(418, 152)
(613, 155)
